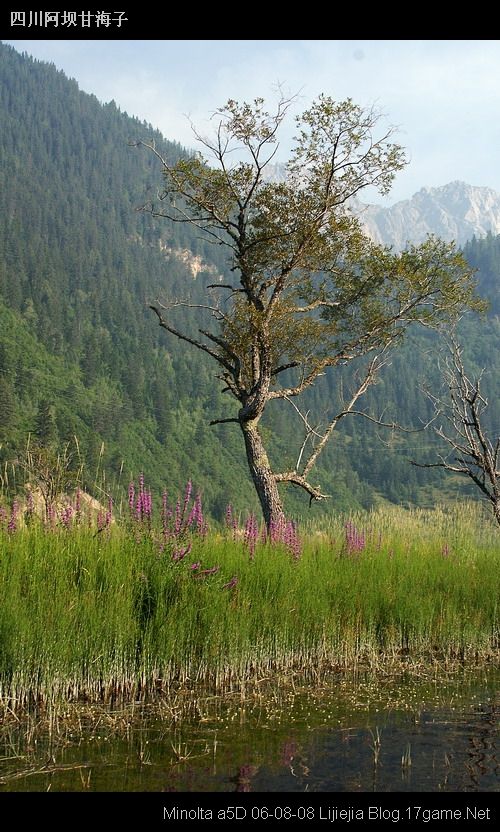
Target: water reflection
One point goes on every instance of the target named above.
(346, 737)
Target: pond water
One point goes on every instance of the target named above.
(343, 735)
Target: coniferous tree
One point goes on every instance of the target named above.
(45, 424)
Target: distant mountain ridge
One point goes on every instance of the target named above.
(456, 211)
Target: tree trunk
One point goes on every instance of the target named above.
(496, 509)
(263, 477)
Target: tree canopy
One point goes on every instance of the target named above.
(311, 290)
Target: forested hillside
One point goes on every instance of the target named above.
(78, 265)
(82, 355)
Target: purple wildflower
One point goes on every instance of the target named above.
(232, 583)
(138, 509)
(251, 534)
(51, 513)
(12, 526)
(109, 513)
(187, 497)
(66, 515)
(147, 504)
(231, 520)
(131, 497)
(244, 778)
(277, 530)
(354, 540)
(178, 518)
(101, 521)
(201, 524)
(190, 518)
(165, 513)
(180, 554)
(292, 540)
(195, 566)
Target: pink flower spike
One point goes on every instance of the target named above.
(180, 554)
(13, 517)
(187, 497)
(178, 518)
(131, 497)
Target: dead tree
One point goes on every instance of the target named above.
(459, 423)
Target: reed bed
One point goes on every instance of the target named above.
(128, 611)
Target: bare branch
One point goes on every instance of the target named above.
(224, 286)
(193, 198)
(215, 310)
(307, 380)
(198, 344)
(374, 366)
(476, 456)
(309, 431)
(283, 367)
(392, 425)
(297, 479)
(328, 304)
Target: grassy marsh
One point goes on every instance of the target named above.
(117, 615)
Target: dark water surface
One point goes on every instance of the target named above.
(420, 734)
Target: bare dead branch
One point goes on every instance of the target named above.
(392, 425)
(283, 367)
(224, 286)
(374, 366)
(198, 344)
(317, 304)
(297, 479)
(215, 310)
(475, 454)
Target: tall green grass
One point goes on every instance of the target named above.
(111, 617)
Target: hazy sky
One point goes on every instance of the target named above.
(443, 95)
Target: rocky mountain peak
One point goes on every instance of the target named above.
(456, 211)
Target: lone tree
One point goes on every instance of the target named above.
(460, 423)
(310, 290)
